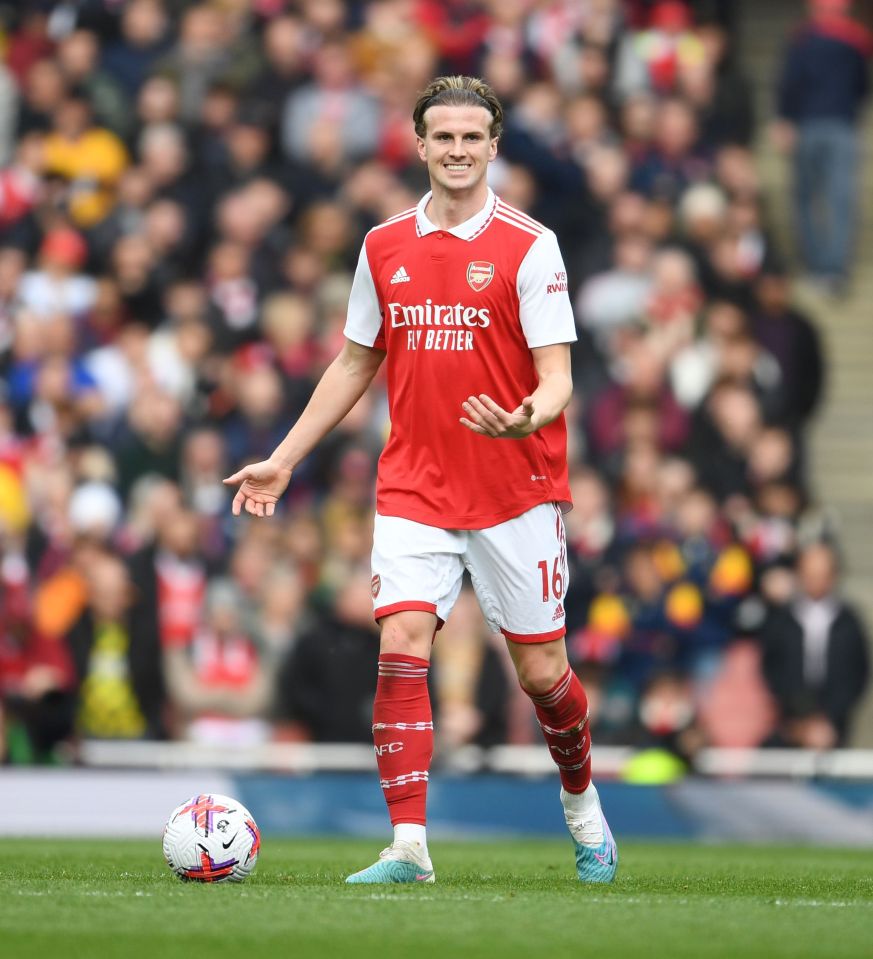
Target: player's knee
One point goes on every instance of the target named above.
(538, 679)
(539, 667)
(408, 634)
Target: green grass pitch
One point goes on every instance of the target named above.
(87, 899)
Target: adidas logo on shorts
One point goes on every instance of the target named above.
(401, 276)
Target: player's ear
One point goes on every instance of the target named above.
(422, 150)
(492, 149)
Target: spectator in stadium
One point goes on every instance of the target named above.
(816, 659)
(719, 90)
(245, 152)
(792, 339)
(78, 54)
(169, 170)
(610, 302)
(135, 270)
(334, 101)
(675, 159)
(644, 385)
(216, 683)
(256, 425)
(41, 90)
(742, 360)
(35, 669)
(169, 567)
(725, 428)
(88, 158)
(283, 616)
(773, 458)
(284, 67)
(233, 296)
(119, 686)
(21, 184)
(144, 39)
(823, 85)
(673, 302)
(656, 57)
(209, 48)
(150, 438)
(59, 285)
(635, 482)
(49, 384)
(666, 716)
(133, 196)
(695, 367)
(326, 683)
(157, 102)
(35, 700)
(203, 464)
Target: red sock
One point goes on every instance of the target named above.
(562, 713)
(403, 735)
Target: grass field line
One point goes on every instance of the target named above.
(418, 896)
(617, 899)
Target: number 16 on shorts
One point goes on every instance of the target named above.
(556, 581)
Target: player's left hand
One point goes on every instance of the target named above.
(487, 418)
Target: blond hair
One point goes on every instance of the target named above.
(458, 91)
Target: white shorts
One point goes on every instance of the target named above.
(518, 569)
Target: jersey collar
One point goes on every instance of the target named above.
(463, 231)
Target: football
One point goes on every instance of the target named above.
(211, 838)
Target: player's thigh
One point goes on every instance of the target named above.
(415, 568)
(519, 572)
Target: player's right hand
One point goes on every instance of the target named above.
(262, 485)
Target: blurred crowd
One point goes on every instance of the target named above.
(184, 188)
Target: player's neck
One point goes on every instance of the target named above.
(447, 209)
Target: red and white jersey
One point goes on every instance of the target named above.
(458, 312)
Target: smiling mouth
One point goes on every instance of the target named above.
(458, 167)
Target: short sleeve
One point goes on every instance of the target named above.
(543, 301)
(364, 318)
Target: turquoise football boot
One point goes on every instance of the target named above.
(400, 862)
(596, 852)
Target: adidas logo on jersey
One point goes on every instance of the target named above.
(401, 276)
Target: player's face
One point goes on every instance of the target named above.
(457, 146)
